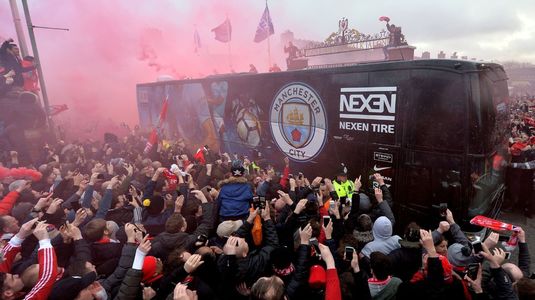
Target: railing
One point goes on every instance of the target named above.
(348, 42)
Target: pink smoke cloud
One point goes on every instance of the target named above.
(113, 45)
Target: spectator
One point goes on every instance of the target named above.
(11, 61)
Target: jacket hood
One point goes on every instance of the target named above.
(382, 228)
(232, 180)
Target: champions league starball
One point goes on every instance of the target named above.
(248, 127)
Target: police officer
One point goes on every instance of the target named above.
(344, 188)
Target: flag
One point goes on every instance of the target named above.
(223, 32)
(153, 137)
(384, 18)
(265, 27)
(56, 109)
(196, 40)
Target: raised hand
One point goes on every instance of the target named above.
(193, 263)
(305, 234)
(300, 206)
(27, 228)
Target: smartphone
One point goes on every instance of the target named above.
(314, 243)
(443, 207)
(332, 204)
(414, 234)
(300, 176)
(100, 176)
(326, 220)
(349, 252)
(202, 238)
(477, 246)
(472, 271)
(507, 255)
(259, 202)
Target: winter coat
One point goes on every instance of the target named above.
(407, 261)
(251, 267)
(7, 203)
(130, 287)
(298, 280)
(433, 286)
(165, 242)
(234, 197)
(125, 262)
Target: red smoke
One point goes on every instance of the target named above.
(113, 45)
(20, 173)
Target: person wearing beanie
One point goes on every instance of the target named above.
(407, 260)
(226, 228)
(152, 270)
(384, 241)
(235, 194)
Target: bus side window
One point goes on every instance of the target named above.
(438, 110)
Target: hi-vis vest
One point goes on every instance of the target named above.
(345, 189)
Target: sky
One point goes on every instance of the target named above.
(112, 45)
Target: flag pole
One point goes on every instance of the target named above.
(228, 47)
(268, 39)
(269, 52)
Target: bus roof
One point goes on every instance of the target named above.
(457, 66)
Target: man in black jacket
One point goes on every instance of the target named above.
(237, 263)
(175, 227)
(10, 58)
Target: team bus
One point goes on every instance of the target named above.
(435, 129)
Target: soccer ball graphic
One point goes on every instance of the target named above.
(248, 127)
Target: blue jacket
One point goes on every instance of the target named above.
(234, 197)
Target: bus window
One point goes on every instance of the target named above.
(437, 114)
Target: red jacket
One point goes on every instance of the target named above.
(8, 202)
(48, 266)
(48, 272)
(332, 287)
(9, 252)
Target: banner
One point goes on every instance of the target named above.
(153, 137)
(265, 27)
(223, 32)
(196, 41)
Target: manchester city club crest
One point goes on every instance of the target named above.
(298, 121)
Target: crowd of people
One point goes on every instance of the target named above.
(106, 221)
(521, 178)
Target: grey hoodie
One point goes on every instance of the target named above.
(384, 241)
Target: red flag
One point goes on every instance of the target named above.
(384, 18)
(223, 32)
(56, 109)
(491, 223)
(153, 137)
